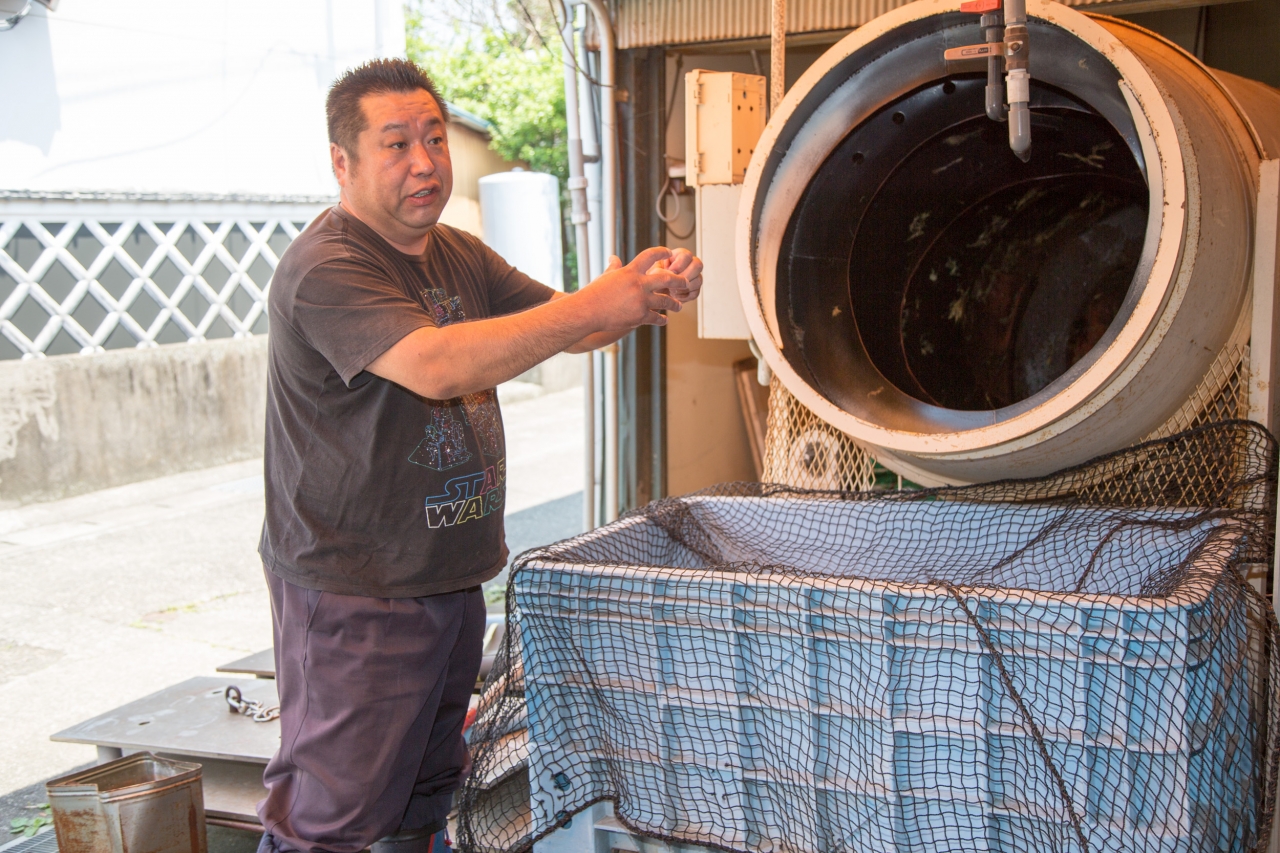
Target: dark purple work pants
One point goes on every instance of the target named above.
(373, 695)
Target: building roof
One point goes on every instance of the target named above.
(469, 120)
(644, 23)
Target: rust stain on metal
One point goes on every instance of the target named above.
(137, 804)
(194, 835)
(76, 829)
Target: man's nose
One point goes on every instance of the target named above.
(422, 163)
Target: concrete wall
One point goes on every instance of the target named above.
(73, 424)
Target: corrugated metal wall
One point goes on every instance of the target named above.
(641, 23)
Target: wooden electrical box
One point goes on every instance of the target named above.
(724, 117)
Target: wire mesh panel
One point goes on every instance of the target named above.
(1072, 663)
(1222, 394)
(803, 450)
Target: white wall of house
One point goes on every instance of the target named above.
(173, 96)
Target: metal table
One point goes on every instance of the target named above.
(259, 664)
(191, 720)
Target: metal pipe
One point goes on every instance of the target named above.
(1017, 53)
(580, 216)
(993, 31)
(589, 118)
(609, 203)
(608, 126)
(777, 89)
(589, 122)
(777, 53)
(611, 479)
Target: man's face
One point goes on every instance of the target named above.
(400, 177)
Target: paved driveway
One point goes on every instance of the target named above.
(110, 596)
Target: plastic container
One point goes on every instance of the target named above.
(520, 213)
(137, 804)
(784, 710)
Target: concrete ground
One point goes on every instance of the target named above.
(113, 595)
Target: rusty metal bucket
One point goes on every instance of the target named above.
(137, 804)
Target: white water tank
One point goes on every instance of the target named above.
(520, 212)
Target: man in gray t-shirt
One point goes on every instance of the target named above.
(385, 467)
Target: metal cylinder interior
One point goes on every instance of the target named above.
(972, 279)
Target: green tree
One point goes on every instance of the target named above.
(509, 72)
(512, 78)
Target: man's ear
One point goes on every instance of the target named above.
(343, 163)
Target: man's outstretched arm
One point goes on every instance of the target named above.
(442, 363)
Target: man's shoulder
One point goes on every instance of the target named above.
(328, 240)
(323, 240)
(449, 241)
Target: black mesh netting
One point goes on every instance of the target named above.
(1078, 662)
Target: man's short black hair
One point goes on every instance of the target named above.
(377, 76)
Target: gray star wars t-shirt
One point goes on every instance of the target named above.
(371, 489)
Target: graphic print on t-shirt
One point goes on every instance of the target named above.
(445, 446)
(481, 410)
(468, 497)
(445, 309)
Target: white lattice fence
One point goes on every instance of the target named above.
(83, 284)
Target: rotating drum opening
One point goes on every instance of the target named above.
(964, 316)
(976, 279)
(970, 280)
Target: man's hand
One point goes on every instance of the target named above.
(689, 267)
(624, 297)
(677, 275)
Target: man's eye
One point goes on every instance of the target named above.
(399, 145)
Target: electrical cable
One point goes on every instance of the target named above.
(659, 205)
(658, 209)
(1202, 33)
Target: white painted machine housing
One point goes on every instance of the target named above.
(1189, 298)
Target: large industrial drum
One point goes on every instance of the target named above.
(966, 316)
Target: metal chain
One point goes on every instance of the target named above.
(250, 707)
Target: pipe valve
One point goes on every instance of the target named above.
(1007, 50)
